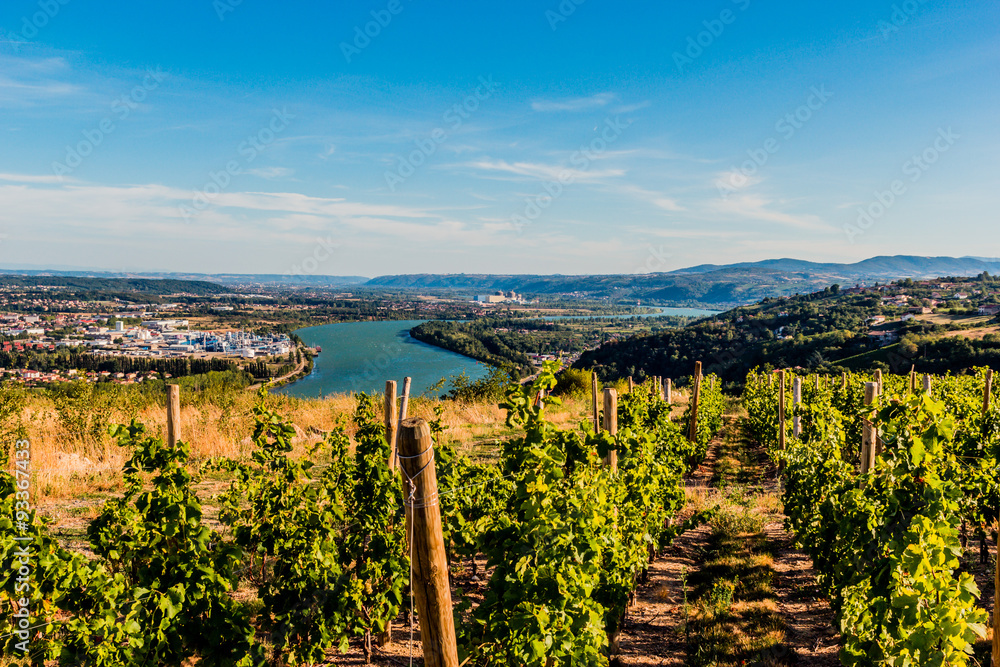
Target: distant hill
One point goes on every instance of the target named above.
(707, 284)
(145, 286)
(711, 285)
(898, 266)
(272, 279)
(827, 331)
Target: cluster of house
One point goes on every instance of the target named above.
(162, 338)
(30, 378)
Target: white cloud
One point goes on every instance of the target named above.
(148, 216)
(657, 199)
(32, 178)
(271, 172)
(756, 207)
(547, 172)
(574, 104)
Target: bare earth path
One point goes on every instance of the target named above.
(655, 627)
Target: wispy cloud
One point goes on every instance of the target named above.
(574, 104)
(540, 171)
(657, 199)
(32, 178)
(271, 172)
(762, 209)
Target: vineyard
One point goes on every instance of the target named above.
(886, 483)
(567, 520)
(883, 480)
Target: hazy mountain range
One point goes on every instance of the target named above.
(705, 284)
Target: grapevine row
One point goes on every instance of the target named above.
(886, 538)
(321, 542)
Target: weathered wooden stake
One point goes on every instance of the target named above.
(869, 433)
(631, 384)
(429, 584)
(987, 393)
(996, 609)
(404, 403)
(668, 391)
(781, 410)
(711, 382)
(843, 381)
(927, 384)
(391, 424)
(796, 401)
(593, 400)
(878, 381)
(404, 406)
(913, 379)
(611, 423)
(173, 414)
(695, 396)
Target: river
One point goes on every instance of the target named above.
(361, 356)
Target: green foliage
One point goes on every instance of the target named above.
(574, 382)
(490, 389)
(885, 543)
(288, 523)
(576, 534)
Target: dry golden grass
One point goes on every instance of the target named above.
(72, 454)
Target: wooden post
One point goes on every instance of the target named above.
(661, 387)
(695, 396)
(913, 379)
(987, 394)
(405, 402)
(781, 410)
(711, 382)
(843, 381)
(796, 401)
(817, 381)
(878, 381)
(631, 384)
(770, 380)
(403, 408)
(391, 424)
(429, 583)
(668, 391)
(611, 423)
(593, 400)
(927, 385)
(996, 609)
(173, 414)
(538, 397)
(869, 434)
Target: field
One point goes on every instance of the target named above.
(709, 559)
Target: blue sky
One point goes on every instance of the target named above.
(518, 137)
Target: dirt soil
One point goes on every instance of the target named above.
(654, 632)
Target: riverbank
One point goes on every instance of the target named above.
(517, 343)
